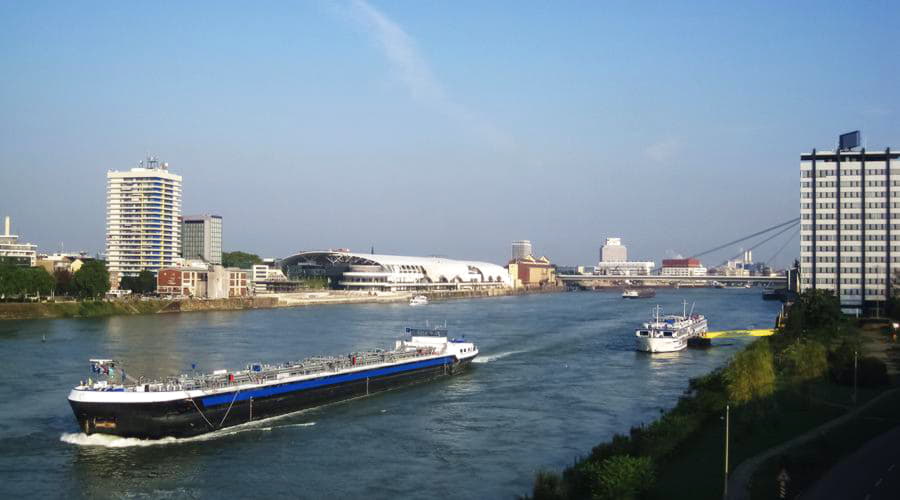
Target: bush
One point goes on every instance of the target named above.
(804, 360)
(751, 374)
(872, 372)
(548, 486)
(621, 477)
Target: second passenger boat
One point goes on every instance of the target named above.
(669, 333)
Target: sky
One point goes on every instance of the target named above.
(442, 128)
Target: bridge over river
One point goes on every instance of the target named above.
(603, 281)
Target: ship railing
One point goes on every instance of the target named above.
(323, 365)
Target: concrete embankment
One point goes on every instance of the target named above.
(93, 309)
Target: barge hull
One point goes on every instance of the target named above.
(183, 418)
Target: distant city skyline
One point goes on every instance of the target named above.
(448, 129)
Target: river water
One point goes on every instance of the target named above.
(557, 374)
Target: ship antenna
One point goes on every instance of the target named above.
(692, 308)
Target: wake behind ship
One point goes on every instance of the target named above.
(189, 405)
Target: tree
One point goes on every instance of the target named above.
(63, 279)
(751, 374)
(144, 282)
(92, 280)
(240, 260)
(21, 281)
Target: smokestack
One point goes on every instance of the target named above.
(6, 226)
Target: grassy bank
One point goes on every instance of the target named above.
(102, 308)
(777, 389)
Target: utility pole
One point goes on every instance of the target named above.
(725, 491)
(855, 366)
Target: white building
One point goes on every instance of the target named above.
(521, 249)
(13, 252)
(848, 235)
(360, 271)
(143, 230)
(637, 268)
(613, 251)
(201, 237)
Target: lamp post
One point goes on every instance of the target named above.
(725, 490)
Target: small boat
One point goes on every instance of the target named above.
(669, 333)
(418, 300)
(635, 293)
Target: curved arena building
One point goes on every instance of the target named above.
(358, 271)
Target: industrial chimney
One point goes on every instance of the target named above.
(6, 226)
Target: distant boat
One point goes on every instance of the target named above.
(642, 293)
(418, 300)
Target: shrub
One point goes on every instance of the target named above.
(548, 486)
(751, 374)
(872, 372)
(621, 477)
(804, 360)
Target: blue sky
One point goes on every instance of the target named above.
(441, 127)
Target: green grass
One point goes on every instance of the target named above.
(695, 470)
(808, 462)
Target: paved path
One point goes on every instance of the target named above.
(871, 473)
(739, 482)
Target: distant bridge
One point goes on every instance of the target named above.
(596, 280)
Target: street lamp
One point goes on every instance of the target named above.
(725, 490)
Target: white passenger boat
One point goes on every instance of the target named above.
(669, 333)
(418, 300)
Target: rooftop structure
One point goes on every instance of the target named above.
(143, 207)
(362, 271)
(201, 237)
(13, 252)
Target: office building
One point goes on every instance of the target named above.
(143, 207)
(13, 252)
(613, 251)
(521, 249)
(614, 261)
(848, 235)
(201, 238)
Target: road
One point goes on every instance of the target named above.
(871, 473)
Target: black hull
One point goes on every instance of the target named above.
(185, 417)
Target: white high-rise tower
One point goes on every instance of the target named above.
(143, 208)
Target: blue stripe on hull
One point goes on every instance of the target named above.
(310, 384)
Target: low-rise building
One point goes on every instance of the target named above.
(13, 252)
(628, 268)
(682, 267)
(529, 272)
(203, 282)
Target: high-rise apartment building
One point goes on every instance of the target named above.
(848, 234)
(521, 249)
(201, 238)
(143, 208)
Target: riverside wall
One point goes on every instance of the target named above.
(93, 309)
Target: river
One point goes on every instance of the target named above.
(557, 374)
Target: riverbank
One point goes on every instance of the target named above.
(94, 309)
(777, 389)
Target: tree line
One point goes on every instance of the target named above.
(18, 283)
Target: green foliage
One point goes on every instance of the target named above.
(18, 282)
(815, 314)
(548, 486)
(804, 360)
(145, 282)
(620, 477)
(751, 374)
(63, 279)
(92, 280)
(241, 260)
